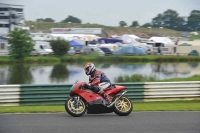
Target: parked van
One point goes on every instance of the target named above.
(39, 52)
(42, 47)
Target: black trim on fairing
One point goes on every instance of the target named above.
(98, 101)
(98, 107)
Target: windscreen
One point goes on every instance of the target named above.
(73, 86)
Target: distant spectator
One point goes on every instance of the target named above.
(102, 42)
(159, 50)
(41, 47)
(176, 43)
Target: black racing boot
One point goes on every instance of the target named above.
(105, 96)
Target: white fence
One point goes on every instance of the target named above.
(20, 95)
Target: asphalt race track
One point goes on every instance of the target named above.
(137, 122)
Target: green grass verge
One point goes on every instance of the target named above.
(145, 78)
(193, 78)
(193, 105)
(121, 59)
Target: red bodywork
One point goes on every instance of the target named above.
(90, 96)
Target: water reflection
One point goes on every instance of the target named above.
(194, 64)
(105, 65)
(3, 74)
(19, 74)
(131, 67)
(59, 73)
(69, 73)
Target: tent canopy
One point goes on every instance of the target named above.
(165, 40)
(130, 50)
(129, 38)
(75, 44)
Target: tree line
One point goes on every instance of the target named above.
(168, 19)
(66, 20)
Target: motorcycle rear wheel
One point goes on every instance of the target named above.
(73, 110)
(123, 106)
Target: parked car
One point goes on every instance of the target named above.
(97, 52)
(92, 50)
(71, 51)
(78, 49)
(86, 50)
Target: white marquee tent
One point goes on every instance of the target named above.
(129, 38)
(165, 40)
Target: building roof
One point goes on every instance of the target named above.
(10, 5)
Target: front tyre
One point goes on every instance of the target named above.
(123, 106)
(75, 109)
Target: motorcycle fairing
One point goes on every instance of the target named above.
(90, 96)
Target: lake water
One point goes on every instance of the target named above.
(69, 73)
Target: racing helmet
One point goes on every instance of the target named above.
(89, 68)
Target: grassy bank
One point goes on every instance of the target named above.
(121, 59)
(145, 78)
(110, 30)
(137, 106)
(193, 78)
(134, 78)
(195, 37)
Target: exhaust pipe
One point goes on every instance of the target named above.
(110, 105)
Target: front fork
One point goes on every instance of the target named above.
(76, 100)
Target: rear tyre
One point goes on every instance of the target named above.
(123, 106)
(74, 109)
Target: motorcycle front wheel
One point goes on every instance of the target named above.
(75, 109)
(123, 106)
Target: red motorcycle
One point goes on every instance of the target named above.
(82, 99)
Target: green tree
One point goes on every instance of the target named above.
(181, 24)
(134, 24)
(71, 19)
(157, 21)
(21, 44)
(48, 20)
(122, 23)
(45, 20)
(40, 20)
(194, 20)
(60, 46)
(147, 25)
(170, 18)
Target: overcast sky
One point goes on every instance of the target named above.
(106, 12)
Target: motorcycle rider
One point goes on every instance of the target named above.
(98, 81)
